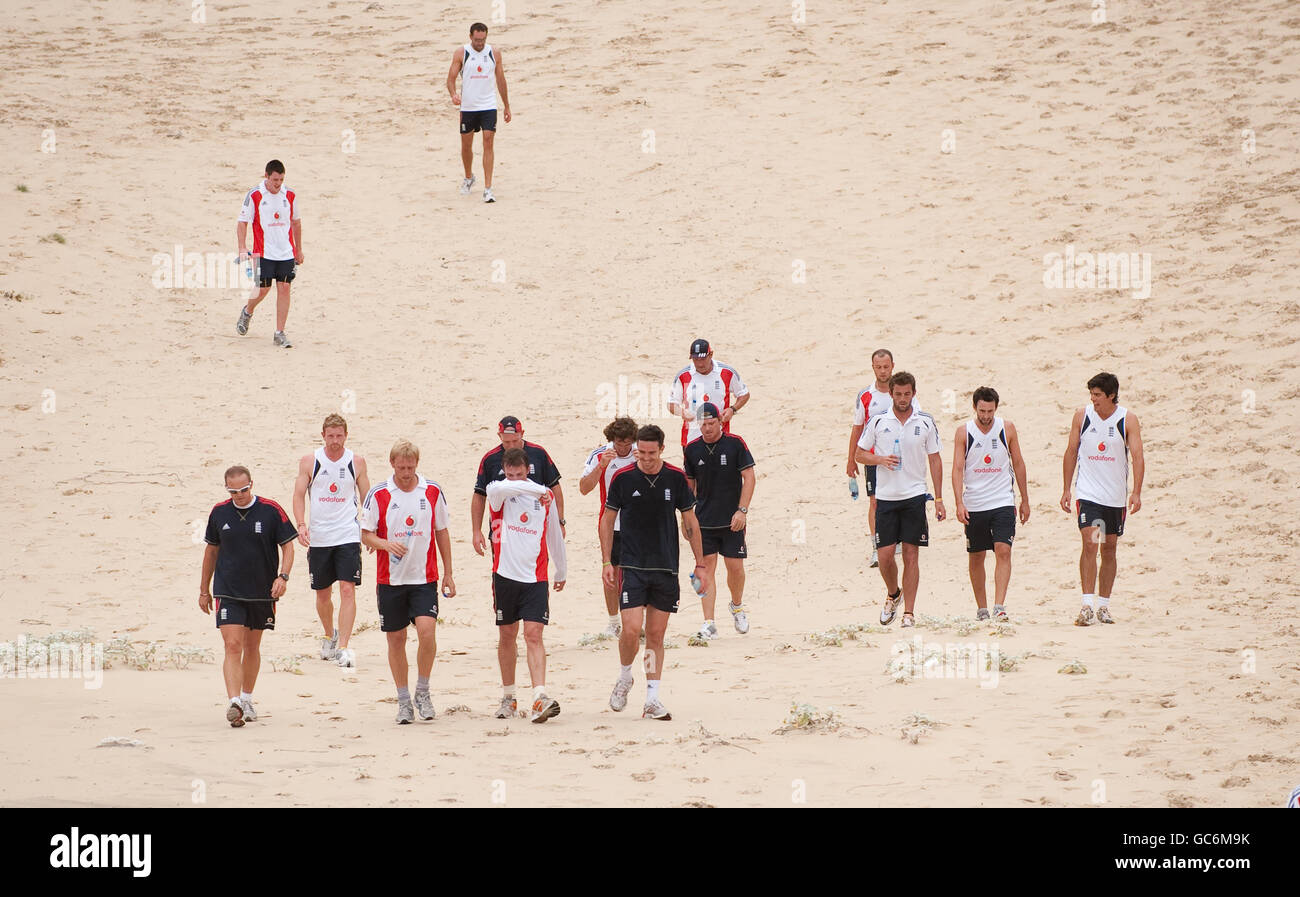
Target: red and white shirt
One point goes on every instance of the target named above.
(691, 389)
(593, 461)
(411, 518)
(871, 402)
(271, 215)
(525, 535)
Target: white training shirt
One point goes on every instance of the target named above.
(478, 73)
(271, 215)
(691, 389)
(593, 461)
(410, 517)
(525, 535)
(987, 483)
(918, 438)
(332, 494)
(1103, 459)
(871, 402)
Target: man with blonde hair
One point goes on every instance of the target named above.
(335, 479)
(403, 519)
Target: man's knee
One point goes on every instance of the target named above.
(533, 636)
(1002, 551)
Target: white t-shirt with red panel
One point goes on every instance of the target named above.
(526, 535)
(691, 389)
(593, 461)
(872, 401)
(271, 215)
(409, 517)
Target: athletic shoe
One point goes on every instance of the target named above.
(614, 629)
(875, 560)
(235, 715)
(466, 184)
(487, 195)
(507, 708)
(1103, 615)
(618, 698)
(544, 708)
(708, 631)
(347, 658)
(244, 317)
(891, 608)
(909, 621)
(655, 710)
(424, 704)
(1000, 614)
(250, 713)
(281, 341)
(738, 617)
(405, 713)
(982, 613)
(329, 647)
(1085, 616)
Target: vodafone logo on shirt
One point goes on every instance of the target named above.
(334, 487)
(523, 518)
(1101, 448)
(988, 459)
(410, 521)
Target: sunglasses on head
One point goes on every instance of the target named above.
(239, 490)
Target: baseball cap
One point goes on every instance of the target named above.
(510, 424)
(700, 348)
(705, 411)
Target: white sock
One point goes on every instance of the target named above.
(539, 692)
(1087, 600)
(245, 696)
(652, 690)
(708, 622)
(507, 691)
(1103, 602)
(234, 701)
(625, 672)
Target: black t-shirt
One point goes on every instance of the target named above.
(648, 525)
(716, 468)
(249, 539)
(541, 469)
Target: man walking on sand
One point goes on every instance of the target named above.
(276, 218)
(483, 74)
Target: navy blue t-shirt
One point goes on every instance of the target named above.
(541, 469)
(648, 537)
(715, 467)
(249, 540)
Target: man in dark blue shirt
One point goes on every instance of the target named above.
(541, 470)
(243, 535)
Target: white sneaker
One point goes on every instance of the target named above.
(250, 714)
(618, 698)
(347, 658)
(487, 195)
(655, 710)
(614, 629)
(329, 647)
(466, 184)
(708, 631)
(738, 617)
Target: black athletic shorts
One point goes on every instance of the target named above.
(514, 601)
(472, 122)
(269, 270)
(902, 521)
(334, 563)
(987, 527)
(400, 605)
(723, 541)
(253, 614)
(614, 549)
(871, 479)
(656, 588)
(1111, 520)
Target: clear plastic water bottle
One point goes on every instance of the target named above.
(410, 536)
(248, 268)
(695, 584)
(898, 453)
(853, 487)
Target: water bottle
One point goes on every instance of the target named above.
(695, 584)
(248, 268)
(407, 542)
(898, 453)
(853, 487)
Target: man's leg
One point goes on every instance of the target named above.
(735, 579)
(325, 609)
(656, 624)
(467, 153)
(611, 594)
(1088, 559)
(630, 641)
(488, 158)
(426, 630)
(232, 666)
(911, 575)
(281, 303)
(252, 658)
(1108, 566)
(536, 651)
(508, 652)
(347, 612)
(888, 568)
(397, 659)
(252, 304)
(709, 600)
(975, 560)
(1001, 572)
(871, 517)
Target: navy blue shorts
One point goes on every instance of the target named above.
(269, 270)
(400, 605)
(988, 527)
(334, 563)
(656, 588)
(722, 540)
(483, 120)
(1111, 520)
(514, 601)
(902, 521)
(253, 614)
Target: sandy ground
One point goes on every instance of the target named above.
(797, 209)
